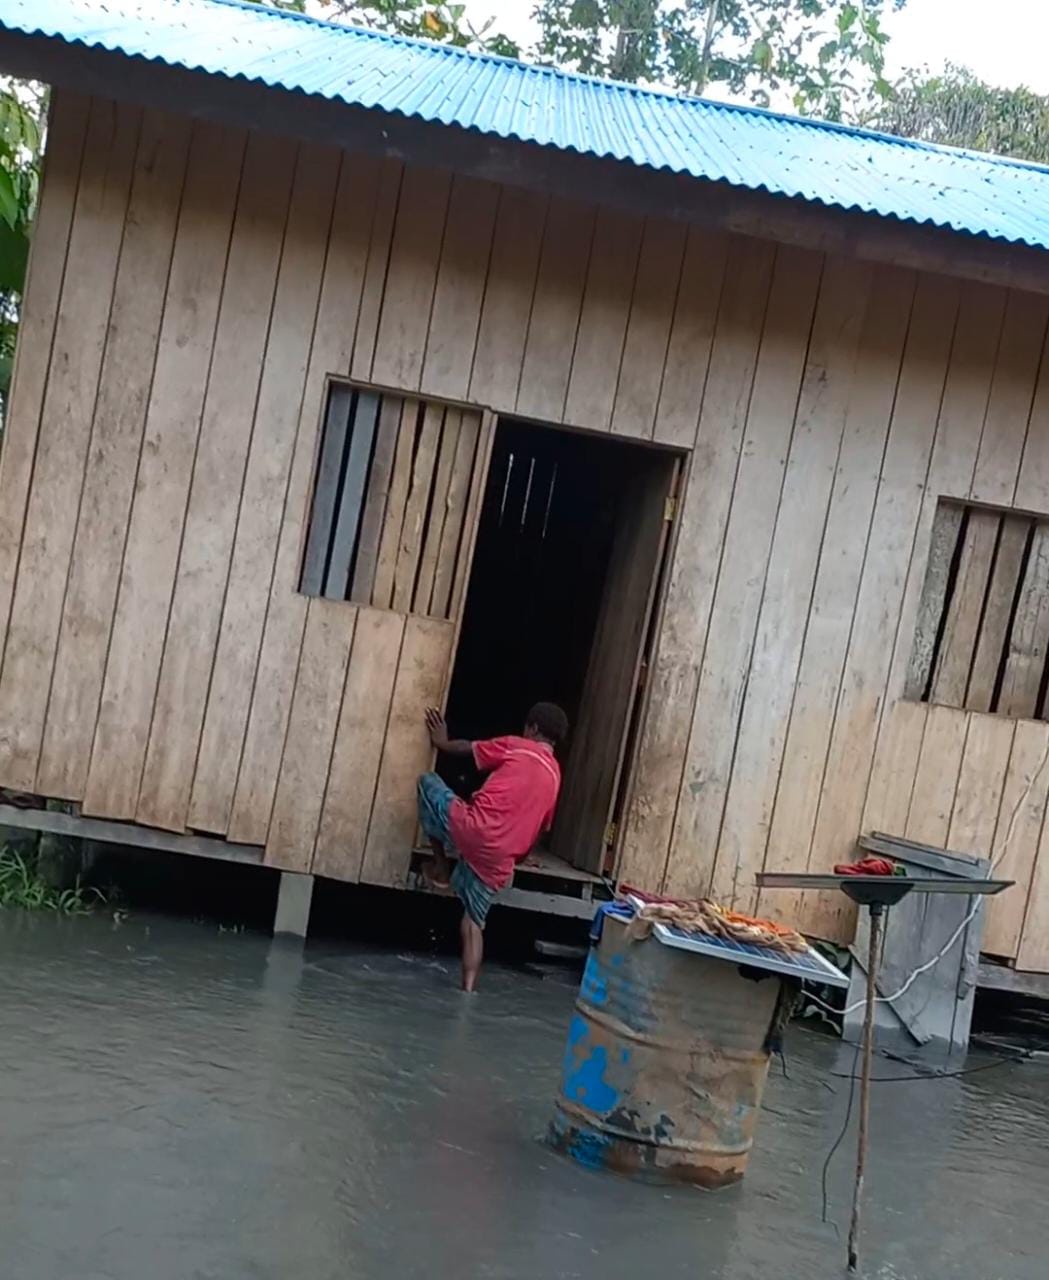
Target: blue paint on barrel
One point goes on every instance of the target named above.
(594, 988)
(587, 1084)
(664, 1063)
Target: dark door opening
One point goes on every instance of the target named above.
(570, 542)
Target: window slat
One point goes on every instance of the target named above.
(351, 497)
(326, 490)
(958, 644)
(998, 613)
(1029, 639)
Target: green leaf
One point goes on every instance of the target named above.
(847, 18)
(14, 254)
(8, 198)
(761, 54)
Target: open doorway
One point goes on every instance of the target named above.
(570, 547)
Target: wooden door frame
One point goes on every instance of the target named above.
(627, 781)
(471, 523)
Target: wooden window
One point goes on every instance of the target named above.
(983, 626)
(389, 500)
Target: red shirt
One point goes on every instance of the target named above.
(500, 824)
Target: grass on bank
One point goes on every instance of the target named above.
(21, 885)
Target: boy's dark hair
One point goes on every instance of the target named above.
(550, 720)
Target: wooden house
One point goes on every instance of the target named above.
(357, 375)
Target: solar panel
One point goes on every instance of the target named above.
(807, 965)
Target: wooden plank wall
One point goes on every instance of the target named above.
(836, 414)
(159, 663)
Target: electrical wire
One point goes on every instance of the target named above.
(932, 1075)
(841, 1136)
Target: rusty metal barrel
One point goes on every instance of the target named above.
(665, 1063)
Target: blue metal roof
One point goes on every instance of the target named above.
(761, 150)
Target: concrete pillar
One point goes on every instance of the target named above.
(293, 904)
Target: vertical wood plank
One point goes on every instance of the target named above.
(464, 468)
(374, 518)
(112, 460)
(701, 529)
(508, 293)
(838, 578)
(265, 485)
(334, 331)
(65, 427)
(792, 566)
(351, 500)
(59, 184)
(998, 612)
(417, 507)
(311, 735)
(411, 277)
(1029, 638)
(1012, 393)
(359, 742)
(555, 310)
(439, 511)
(335, 429)
(603, 320)
(381, 209)
(455, 318)
(162, 486)
(874, 625)
(1032, 955)
(730, 636)
(988, 746)
(406, 751)
(217, 481)
(894, 769)
(696, 312)
(467, 541)
(946, 529)
(396, 502)
(1018, 853)
(936, 780)
(1032, 486)
(659, 272)
(950, 679)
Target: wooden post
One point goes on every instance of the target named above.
(293, 904)
(876, 914)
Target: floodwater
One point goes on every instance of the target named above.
(182, 1104)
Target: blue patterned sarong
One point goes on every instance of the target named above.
(435, 801)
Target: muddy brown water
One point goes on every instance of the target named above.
(182, 1104)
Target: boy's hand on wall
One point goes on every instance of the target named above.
(435, 723)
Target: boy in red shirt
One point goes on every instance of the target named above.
(499, 825)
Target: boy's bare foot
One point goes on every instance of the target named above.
(433, 879)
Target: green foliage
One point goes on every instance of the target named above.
(960, 110)
(829, 55)
(445, 23)
(21, 139)
(22, 886)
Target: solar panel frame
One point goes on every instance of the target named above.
(809, 965)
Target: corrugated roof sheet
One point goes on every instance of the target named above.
(761, 150)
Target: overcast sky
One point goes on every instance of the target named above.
(1004, 41)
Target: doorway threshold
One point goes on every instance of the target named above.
(543, 882)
